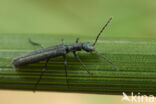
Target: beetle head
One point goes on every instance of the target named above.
(87, 47)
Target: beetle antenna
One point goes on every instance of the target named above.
(102, 30)
(107, 60)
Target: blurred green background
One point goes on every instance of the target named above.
(132, 18)
(79, 18)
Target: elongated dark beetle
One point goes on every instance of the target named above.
(58, 50)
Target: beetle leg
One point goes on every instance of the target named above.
(65, 64)
(84, 66)
(65, 69)
(63, 41)
(34, 43)
(77, 40)
(42, 73)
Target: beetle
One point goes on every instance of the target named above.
(59, 50)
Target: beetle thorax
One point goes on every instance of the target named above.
(79, 46)
(74, 47)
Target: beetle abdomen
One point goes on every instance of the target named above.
(39, 55)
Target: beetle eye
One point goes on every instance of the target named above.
(90, 46)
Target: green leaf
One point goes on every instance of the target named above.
(135, 58)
